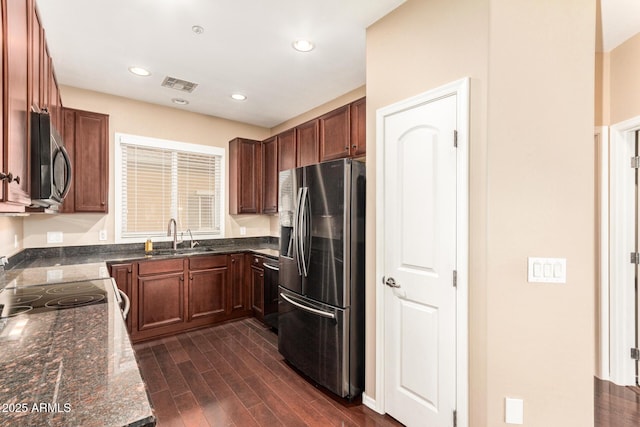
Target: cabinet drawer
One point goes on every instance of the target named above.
(256, 260)
(206, 262)
(146, 268)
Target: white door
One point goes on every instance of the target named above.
(420, 260)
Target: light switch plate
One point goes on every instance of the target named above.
(54, 236)
(547, 270)
(513, 411)
(243, 231)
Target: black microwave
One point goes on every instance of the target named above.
(50, 163)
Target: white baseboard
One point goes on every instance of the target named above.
(371, 403)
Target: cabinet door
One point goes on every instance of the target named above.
(335, 134)
(160, 301)
(270, 176)
(239, 298)
(287, 150)
(257, 291)
(36, 58)
(245, 176)
(358, 128)
(68, 130)
(122, 275)
(91, 167)
(16, 132)
(307, 143)
(207, 294)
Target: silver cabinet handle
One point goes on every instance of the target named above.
(271, 267)
(127, 304)
(390, 282)
(309, 309)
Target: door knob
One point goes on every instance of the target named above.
(390, 281)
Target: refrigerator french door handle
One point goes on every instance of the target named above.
(296, 231)
(304, 231)
(309, 309)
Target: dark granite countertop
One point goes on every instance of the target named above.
(77, 366)
(71, 367)
(72, 255)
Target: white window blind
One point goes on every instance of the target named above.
(160, 181)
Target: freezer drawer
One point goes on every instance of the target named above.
(314, 338)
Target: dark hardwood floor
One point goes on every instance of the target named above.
(616, 406)
(233, 375)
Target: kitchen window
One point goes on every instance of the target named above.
(157, 180)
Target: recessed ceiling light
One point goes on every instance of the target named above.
(303, 45)
(197, 29)
(238, 97)
(139, 71)
(179, 101)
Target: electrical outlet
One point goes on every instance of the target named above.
(54, 236)
(243, 231)
(15, 241)
(513, 411)
(103, 234)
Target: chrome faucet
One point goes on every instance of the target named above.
(192, 243)
(175, 232)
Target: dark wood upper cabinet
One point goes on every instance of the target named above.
(308, 143)
(36, 53)
(86, 137)
(335, 134)
(270, 175)
(358, 128)
(17, 39)
(245, 176)
(287, 150)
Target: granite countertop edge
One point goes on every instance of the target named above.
(122, 253)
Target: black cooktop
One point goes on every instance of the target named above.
(42, 298)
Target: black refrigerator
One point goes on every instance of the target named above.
(322, 266)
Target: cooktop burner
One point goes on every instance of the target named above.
(42, 298)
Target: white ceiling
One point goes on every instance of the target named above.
(620, 21)
(245, 48)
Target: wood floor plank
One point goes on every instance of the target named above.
(166, 410)
(190, 411)
(228, 400)
(275, 404)
(204, 396)
(198, 359)
(151, 372)
(169, 369)
(263, 416)
(175, 349)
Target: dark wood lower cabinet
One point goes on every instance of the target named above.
(160, 301)
(207, 294)
(257, 286)
(239, 295)
(178, 294)
(123, 273)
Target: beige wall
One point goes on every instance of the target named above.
(139, 118)
(10, 227)
(624, 80)
(603, 89)
(531, 66)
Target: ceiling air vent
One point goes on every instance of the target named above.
(177, 84)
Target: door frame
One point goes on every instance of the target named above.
(460, 88)
(617, 304)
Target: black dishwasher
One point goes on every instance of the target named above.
(271, 273)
